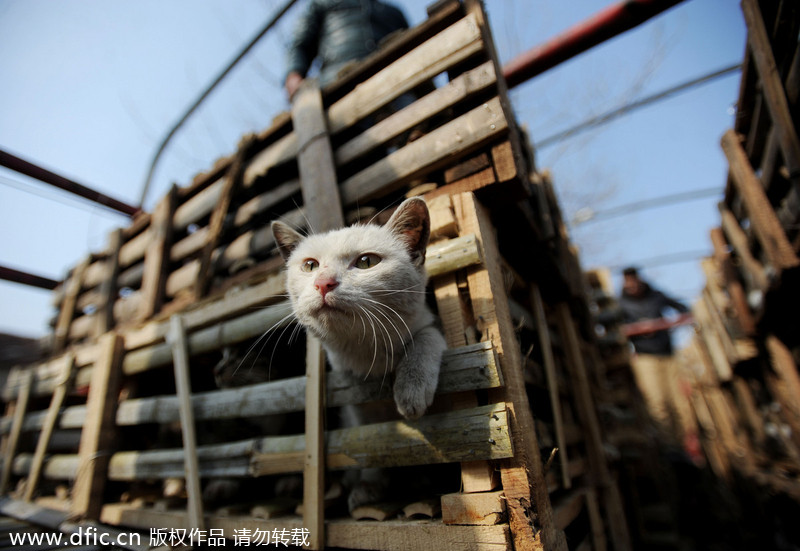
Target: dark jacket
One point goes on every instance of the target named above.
(339, 31)
(650, 305)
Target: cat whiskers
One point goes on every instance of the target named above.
(396, 313)
(268, 335)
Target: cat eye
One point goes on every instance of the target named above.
(367, 261)
(309, 265)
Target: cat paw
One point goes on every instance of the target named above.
(411, 397)
(365, 493)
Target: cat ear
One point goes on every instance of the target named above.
(411, 223)
(286, 238)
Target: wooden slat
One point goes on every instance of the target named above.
(67, 310)
(785, 383)
(156, 267)
(392, 535)
(475, 509)
(457, 138)
(460, 88)
(762, 217)
(233, 180)
(11, 443)
(97, 434)
(545, 344)
(104, 321)
(584, 404)
(314, 464)
(480, 433)
(49, 425)
(771, 84)
(322, 206)
(449, 47)
(754, 270)
(523, 475)
(180, 354)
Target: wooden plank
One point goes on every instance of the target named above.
(734, 288)
(762, 217)
(457, 90)
(480, 433)
(771, 85)
(183, 389)
(104, 318)
(321, 201)
(97, 434)
(322, 206)
(11, 443)
(466, 368)
(314, 466)
(474, 509)
(505, 166)
(546, 346)
(467, 168)
(594, 441)
(156, 267)
(446, 49)
(48, 426)
(441, 146)
(785, 383)
(233, 181)
(392, 535)
(67, 311)
(716, 351)
(451, 255)
(754, 270)
(523, 475)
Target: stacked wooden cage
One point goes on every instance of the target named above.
(742, 366)
(142, 325)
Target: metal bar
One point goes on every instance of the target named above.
(163, 145)
(29, 169)
(606, 24)
(10, 274)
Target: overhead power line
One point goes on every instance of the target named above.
(588, 214)
(609, 116)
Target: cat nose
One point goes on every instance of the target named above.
(325, 285)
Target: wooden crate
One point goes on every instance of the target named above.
(741, 367)
(142, 324)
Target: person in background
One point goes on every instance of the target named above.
(653, 367)
(337, 32)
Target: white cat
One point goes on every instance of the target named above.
(361, 291)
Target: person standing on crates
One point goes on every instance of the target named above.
(653, 367)
(337, 32)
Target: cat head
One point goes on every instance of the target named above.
(360, 276)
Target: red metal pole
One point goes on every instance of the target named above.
(10, 274)
(606, 24)
(29, 169)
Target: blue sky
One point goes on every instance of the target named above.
(90, 87)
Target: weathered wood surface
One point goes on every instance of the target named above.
(463, 435)
(436, 55)
(457, 90)
(183, 389)
(523, 475)
(468, 368)
(20, 409)
(391, 535)
(98, 431)
(777, 249)
(485, 508)
(458, 137)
